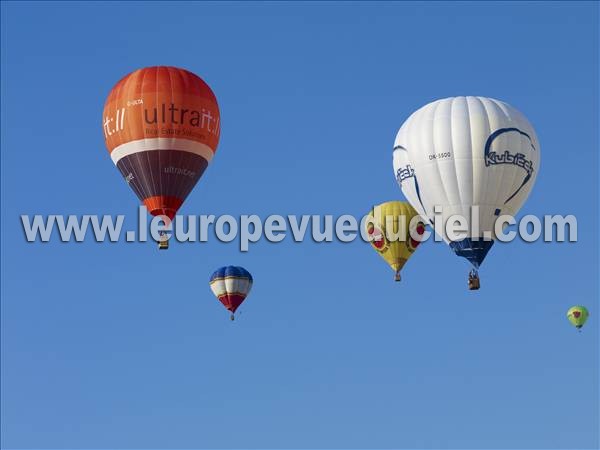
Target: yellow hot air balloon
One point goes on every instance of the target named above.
(394, 229)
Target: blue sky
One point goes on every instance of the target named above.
(120, 346)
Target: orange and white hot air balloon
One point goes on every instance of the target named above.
(161, 127)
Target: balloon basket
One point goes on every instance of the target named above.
(163, 243)
(474, 283)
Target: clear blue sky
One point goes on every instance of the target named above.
(120, 346)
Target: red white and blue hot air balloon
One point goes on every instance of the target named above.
(231, 285)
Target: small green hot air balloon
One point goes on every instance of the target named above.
(577, 315)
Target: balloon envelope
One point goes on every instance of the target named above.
(231, 285)
(161, 128)
(393, 232)
(578, 315)
(472, 156)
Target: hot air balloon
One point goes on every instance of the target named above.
(578, 315)
(161, 128)
(231, 285)
(470, 156)
(392, 231)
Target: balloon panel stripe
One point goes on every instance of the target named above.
(142, 170)
(144, 145)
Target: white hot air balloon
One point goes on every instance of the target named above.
(470, 156)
